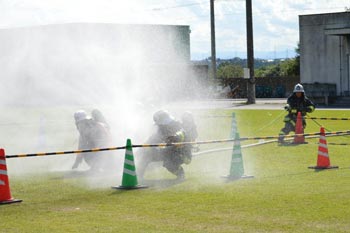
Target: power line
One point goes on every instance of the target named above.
(191, 4)
(236, 13)
(178, 6)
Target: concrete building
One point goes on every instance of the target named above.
(325, 53)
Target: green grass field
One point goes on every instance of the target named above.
(283, 196)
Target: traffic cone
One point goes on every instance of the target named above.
(237, 168)
(323, 157)
(233, 126)
(129, 180)
(5, 193)
(299, 130)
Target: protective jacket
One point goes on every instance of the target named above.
(171, 156)
(302, 104)
(294, 105)
(92, 135)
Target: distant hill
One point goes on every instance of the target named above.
(258, 62)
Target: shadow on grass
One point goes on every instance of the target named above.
(326, 168)
(81, 174)
(229, 179)
(154, 184)
(285, 175)
(335, 168)
(164, 183)
(292, 144)
(332, 168)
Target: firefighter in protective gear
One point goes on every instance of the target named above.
(297, 102)
(191, 135)
(168, 130)
(99, 117)
(92, 134)
(189, 126)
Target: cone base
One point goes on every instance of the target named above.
(321, 168)
(11, 201)
(129, 187)
(237, 177)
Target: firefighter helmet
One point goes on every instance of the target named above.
(162, 117)
(80, 115)
(298, 88)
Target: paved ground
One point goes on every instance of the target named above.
(231, 104)
(260, 103)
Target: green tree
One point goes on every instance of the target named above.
(288, 67)
(268, 71)
(229, 70)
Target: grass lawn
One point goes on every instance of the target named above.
(283, 196)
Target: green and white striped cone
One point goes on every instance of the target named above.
(233, 126)
(237, 167)
(129, 180)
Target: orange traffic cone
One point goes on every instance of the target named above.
(299, 130)
(323, 157)
(5, 193)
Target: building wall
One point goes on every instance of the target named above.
(265, 87)
(324, 50)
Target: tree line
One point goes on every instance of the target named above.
(233, 68)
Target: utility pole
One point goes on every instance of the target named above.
(213, 50)
(250, 53)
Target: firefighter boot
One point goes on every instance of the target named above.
(281, 139)
(180, 174)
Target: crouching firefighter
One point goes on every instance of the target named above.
(92, 134)
(297, 102)
(191, 134)
(168, 130)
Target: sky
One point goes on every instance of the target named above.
(275, 22)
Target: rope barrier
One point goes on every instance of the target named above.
(263, 143)
(339, 133)
(65, 152)
(230, 148)
(329, 130)
(328, 118)
(268, 125)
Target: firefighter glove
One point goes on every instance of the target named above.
(171, 139)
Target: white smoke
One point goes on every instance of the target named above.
(49, 72)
